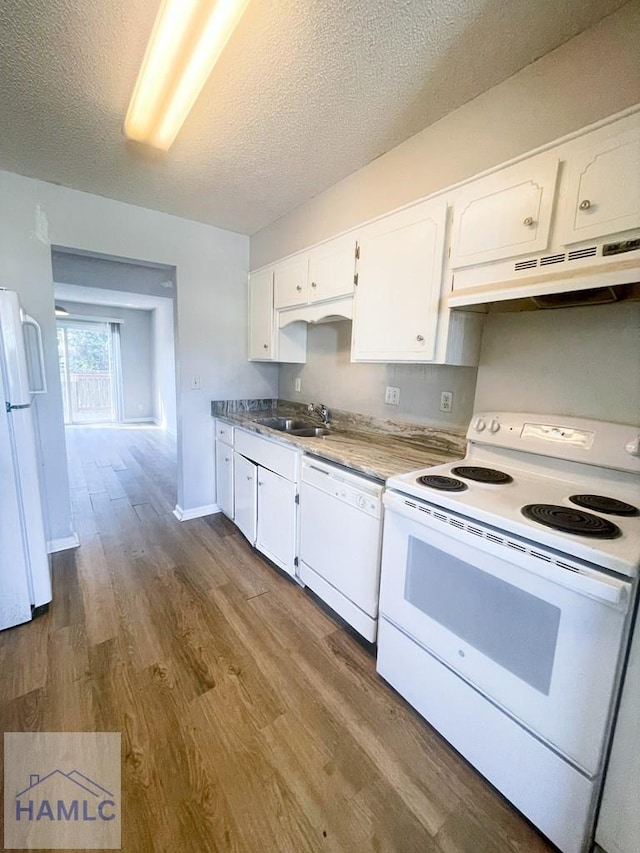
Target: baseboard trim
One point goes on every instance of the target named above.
(196, 512)
(138, 421)
(55, 545)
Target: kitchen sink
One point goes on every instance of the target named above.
(284, 424)
(292, 426)
(310, 432)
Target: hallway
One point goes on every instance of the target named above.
(251, 721)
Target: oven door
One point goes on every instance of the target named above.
(540, 641)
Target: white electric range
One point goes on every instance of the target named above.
(507, 594)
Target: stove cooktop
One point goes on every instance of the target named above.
(569, 484)
(596, 534)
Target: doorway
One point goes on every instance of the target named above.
(90, 371)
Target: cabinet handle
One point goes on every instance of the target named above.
(528, 220)
(585, 204)
(313, 284)
(299, 288)
(260, 483)
(249, 477)
(419, 337)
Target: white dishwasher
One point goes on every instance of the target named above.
(340, 538)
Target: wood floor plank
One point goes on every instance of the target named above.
(252, 721)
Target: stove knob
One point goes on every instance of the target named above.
(633, 447)
(494, 426)
(361, 501)
(480, 424)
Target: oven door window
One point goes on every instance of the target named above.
(512, 627)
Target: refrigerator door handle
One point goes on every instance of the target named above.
(27, 320)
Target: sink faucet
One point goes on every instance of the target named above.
(320, 409)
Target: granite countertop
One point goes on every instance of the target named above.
(375, 447)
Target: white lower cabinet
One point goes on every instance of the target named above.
(266, 488)
(245, 475)
(276, 536)
(224, 478)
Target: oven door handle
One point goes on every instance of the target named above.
(609, 591)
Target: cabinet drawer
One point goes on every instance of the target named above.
(270, 454)
(224, 432)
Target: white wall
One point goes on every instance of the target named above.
(136, 348)
(590, 77)
(329, 377)
(211, 315)
(572, 361)
(164, 366)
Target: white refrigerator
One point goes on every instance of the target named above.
(25, 576)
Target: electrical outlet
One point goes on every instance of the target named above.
(446, 401)
(195, 383)
(298, 383)
(392, 395)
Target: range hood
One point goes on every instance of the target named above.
(317, 312)
(593, 274)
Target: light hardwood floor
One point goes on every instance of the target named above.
(250, 720)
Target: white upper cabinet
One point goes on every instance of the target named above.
(505, 214)
(261, 320)
(399, 284)
(332, 267)
(290, 282)
(319, 274)
(266, 341)
(603, 189)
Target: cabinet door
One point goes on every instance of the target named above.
(245, 496)
(224, 478)
(261, 319)
(399, 283)
(603, 194)
(277, 519)
(331, 269)
(505, 214)
(290, 282)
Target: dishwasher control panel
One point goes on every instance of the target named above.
(354, 490)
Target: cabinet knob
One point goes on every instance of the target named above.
(585, 204)
(528, 220)
(260, 483)
(419, 337)
(266, 346)
(226, 458)
(313, 284)
(249, 477)
(299, 288)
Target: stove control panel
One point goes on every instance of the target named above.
(600, 443)
(562, 434)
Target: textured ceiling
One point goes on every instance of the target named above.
(306, 92)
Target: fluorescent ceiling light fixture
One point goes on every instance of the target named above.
(60, 311)
(187, 38)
